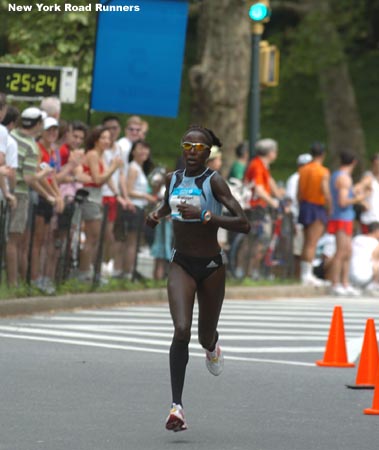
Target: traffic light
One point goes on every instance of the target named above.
(260, 11)
(268, 64)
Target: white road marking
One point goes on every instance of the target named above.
(291, 323)
(146, 350)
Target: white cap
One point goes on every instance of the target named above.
(303, 159)
(30, 116)
(50, 122)
(215, 152)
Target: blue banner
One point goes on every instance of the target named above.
(139, 56)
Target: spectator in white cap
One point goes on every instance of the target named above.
(293, 182)
(26, 177)
(42, 273)
(291, 193)
(215, 159)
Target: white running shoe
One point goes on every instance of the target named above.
(338, 290)
(372, 288)
(175, 420)
(311, 280)
(352, 291)
(215, 360)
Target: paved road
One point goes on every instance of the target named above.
(98, 379)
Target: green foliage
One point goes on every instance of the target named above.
(350, 17)
(315, 45)
(56, 39)
(291, 113)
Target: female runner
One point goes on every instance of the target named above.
(194, 197)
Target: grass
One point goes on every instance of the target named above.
(76, 287)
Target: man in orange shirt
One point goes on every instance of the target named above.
(314, 206)
(265, 191)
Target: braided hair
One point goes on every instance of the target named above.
(210, 137)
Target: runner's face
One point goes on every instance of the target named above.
(195, 159)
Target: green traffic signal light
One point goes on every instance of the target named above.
(258, 12)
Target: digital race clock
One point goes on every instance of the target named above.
(29, 82)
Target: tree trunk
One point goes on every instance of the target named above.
(220, 82)
(341, 114)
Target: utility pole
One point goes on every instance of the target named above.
(259, 13)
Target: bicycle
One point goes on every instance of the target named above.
(264, 253)
(70, 244)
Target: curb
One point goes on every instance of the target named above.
(34, 305)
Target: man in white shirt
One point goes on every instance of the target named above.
(132, 133)
(5, 169)
(11, 156)
(291, 192)
(364, 265)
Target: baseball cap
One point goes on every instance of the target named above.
(215, 152)
(304, 158)
(30, 116)
(50, 122)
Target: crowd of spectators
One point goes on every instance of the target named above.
(45, 162)
(328, 210)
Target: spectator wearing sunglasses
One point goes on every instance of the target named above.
(194, 198)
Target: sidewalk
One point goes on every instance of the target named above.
(34, 305)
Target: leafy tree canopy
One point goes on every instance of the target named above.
(56, 38)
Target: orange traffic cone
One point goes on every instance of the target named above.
(375, 403)
(369, 360)
(335, 352)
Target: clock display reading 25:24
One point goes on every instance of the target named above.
(29, 81)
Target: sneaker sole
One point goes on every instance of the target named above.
(175, 424)
(209, 365)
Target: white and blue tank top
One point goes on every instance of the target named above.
(195, 191)
(338, 212)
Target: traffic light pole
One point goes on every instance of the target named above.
(255, 100)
